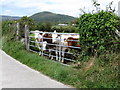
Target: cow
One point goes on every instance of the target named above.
(38, 39)
(71, 42)
(65, 41)
(50, 44)
(44, 40)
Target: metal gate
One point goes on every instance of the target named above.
(57, 51)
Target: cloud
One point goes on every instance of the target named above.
(7, 12)
(69, 7)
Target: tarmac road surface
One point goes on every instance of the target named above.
(17, 75)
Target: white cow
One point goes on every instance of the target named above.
(41, 45)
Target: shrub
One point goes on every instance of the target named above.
(97, 31)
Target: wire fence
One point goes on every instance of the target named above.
(58, 50)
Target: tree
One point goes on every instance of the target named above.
(9, 29)
(26, 21)
(46, 26)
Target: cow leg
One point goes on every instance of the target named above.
(41, 49)
(63, 54)
(52, 55)
(56, 53)
(38, 45)
(40, 53)
(49, 53)
(59, 53)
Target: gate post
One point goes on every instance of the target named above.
(60, 49)
(17, 32)
(27, 37)
(42, 44)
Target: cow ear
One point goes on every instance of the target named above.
(65, 40)
(55, 31)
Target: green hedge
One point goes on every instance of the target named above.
(97, 31)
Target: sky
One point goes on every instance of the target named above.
(67, 7)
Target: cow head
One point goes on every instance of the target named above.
(54, 37)
(71, 42)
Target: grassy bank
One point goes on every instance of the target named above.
(99, 72)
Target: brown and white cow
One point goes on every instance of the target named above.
(50, 46)
(41, 44)
(45, 42)
(65, 41)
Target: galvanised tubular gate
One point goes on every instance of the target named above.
(59, 51)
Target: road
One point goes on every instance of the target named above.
(17, 75)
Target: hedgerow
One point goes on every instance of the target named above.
(97, 32)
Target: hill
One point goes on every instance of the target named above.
(5, 17)
(43, 17)
(51, 17)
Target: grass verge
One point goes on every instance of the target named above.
(95, 73)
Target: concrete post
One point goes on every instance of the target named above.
(17, 32)
(27, 37)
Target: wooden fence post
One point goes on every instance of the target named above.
(17, 32)
(27, 37)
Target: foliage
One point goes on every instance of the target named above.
(118, 27)
(97, 31)
(50, 27)
(9, 30)
(26, 21)
(46, 26)
(7, 26)
(64, 29)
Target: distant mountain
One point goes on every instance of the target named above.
(4, 17)
(51, 17)
(43, 17)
